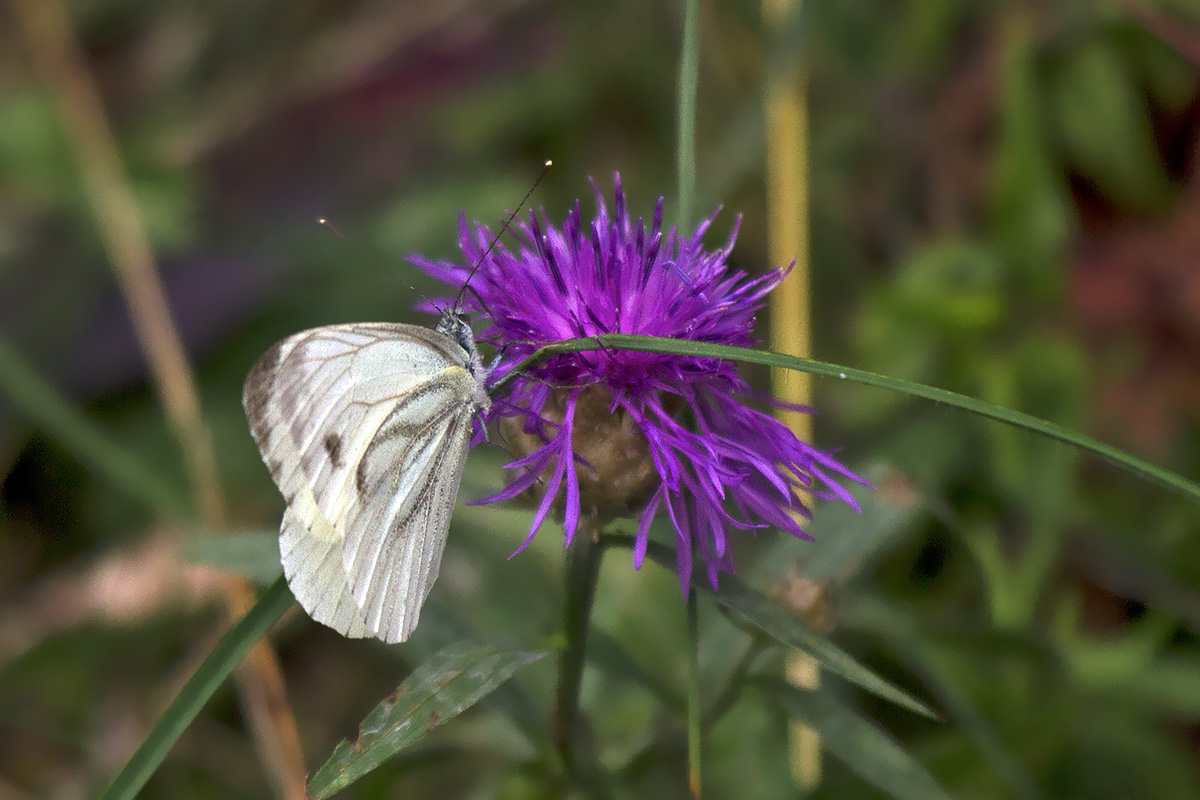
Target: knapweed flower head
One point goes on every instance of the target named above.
(612, 432)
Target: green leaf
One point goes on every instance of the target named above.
(253, 555)
(228, 653)
(443, 687)
(952, 288)
(783, 626)
(442, 625)
(656, 344)
(865, 748)
(935, 664)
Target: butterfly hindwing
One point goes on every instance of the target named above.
(319, 405)
(313, 567)
(406, 484)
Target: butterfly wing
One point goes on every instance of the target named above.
(316, 402)
(405, 488)
(312, 563)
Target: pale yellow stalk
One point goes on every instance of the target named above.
(791, 329)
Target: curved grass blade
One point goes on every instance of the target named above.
(450, 682)
(200, 687)
(654, 344)
(79, 435)
(760, 612)
(866, 749)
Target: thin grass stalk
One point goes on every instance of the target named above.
(689, 88)
(581, 571)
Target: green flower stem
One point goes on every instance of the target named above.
(228, 653)
(694, 712)
(689, 83)
(582, 569)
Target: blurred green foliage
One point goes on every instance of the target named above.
(999, 194)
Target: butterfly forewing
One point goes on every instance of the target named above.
(316, 399)
(356, 423)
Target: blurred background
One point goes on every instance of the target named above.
(1004, 202)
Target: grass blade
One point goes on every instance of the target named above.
(866, 749)
(779, 623)
(655, 344)
(228, 653)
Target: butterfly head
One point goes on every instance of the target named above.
(453, 325)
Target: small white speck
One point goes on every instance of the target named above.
(841, 374)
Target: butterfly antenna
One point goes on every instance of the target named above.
(496, 238)
(326, 223)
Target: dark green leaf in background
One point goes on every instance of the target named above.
(778, 622)
(1105, 126)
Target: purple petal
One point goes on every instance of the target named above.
(642, 540)
(723, 464)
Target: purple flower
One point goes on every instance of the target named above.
(617, 432)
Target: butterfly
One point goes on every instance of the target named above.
(365, 429)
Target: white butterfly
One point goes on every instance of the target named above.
(365, 428)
